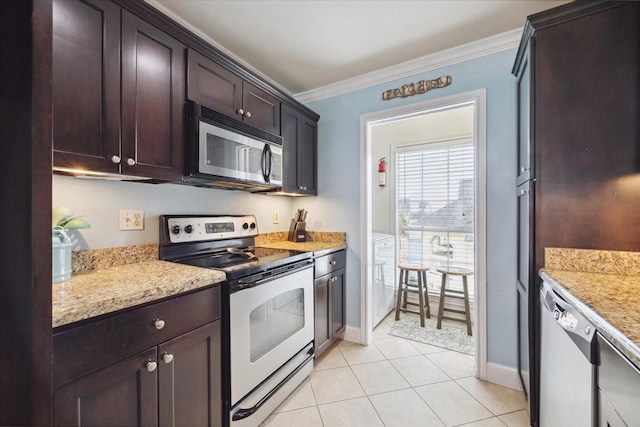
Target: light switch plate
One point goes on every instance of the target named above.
(131, 219)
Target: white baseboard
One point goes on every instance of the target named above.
(353, 334)
(503, 375)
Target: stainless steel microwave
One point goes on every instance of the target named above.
(226, 153)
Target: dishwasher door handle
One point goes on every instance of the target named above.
(579, 329)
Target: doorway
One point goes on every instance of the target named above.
(447, 125)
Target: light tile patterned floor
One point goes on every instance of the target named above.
(397, 382)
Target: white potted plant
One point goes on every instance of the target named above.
(62, 219)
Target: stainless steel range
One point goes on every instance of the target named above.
(267, 308)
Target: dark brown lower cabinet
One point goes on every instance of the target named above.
(177, 383)
(164, 366)
(329, 299)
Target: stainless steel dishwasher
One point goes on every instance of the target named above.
(567, 363)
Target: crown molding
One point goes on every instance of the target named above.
(465, 52)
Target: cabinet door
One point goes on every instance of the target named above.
(86, 85)
(213, 86)
(261, 110)
(338, 323)
(299, 159)
(189, 378)
(322, 313)
(153, 88)
(523, 90)
(123, 394)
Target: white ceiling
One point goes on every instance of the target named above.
(303, 45)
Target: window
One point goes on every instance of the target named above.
(435, 206)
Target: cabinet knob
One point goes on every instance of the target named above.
(524, 192)
(115, 159)
(167, 357)
(158, 323)
(333, 279)
(151, 365)
(240, 111)
(302, 187)
(131, 162)
(332, 262)
(247, 114)
(523, 169)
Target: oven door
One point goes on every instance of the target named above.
(270, 323)
(237, 156)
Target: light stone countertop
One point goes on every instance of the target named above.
(318, 242)
(115, 288)
(607, 295)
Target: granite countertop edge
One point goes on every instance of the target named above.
(619, 340)
(112, 289)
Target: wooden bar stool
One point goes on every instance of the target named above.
(451, 293)
(421, 289)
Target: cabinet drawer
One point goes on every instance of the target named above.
(97, 344)
(328, 263)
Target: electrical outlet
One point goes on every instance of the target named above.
(276, 217)
(130, 219)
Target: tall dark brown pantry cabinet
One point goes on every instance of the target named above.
(578, 87)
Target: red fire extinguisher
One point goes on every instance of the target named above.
(382, 174)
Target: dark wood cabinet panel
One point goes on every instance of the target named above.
(86, 84)
(152, 101)
(118, 92)
(190, 381)
(322, 314)
(218, 88)
(212, 85)
(299, 134)
(102, 378)
(123, 394)
(329, 303)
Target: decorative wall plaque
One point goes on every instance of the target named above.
(423, 86)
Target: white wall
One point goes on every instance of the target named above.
(99, 201)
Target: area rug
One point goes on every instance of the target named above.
(448, 337)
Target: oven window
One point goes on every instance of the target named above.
(276, 320)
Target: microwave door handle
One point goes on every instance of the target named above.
(266, 162)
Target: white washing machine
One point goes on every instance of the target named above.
(384, 275)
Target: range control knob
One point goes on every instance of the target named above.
(245, 226)
(175, 229)
(253, 225)
(188, 229)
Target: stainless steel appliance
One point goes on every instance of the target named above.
(267, 308)
(225, 153)
(568, 355)
(382, 288)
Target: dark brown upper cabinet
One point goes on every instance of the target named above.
(118, 92)
(299, 133)
(218, 88)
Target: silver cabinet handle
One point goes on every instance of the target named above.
(240, 111)
(158, 323)
(115, 159)
(131, 162)
(247, 114)
(151, 365)
(167, 357)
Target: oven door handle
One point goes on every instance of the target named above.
(241, 414)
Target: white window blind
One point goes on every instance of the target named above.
(435, 205)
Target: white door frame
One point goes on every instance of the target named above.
(477, 98)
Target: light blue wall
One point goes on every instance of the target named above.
(339, 182)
